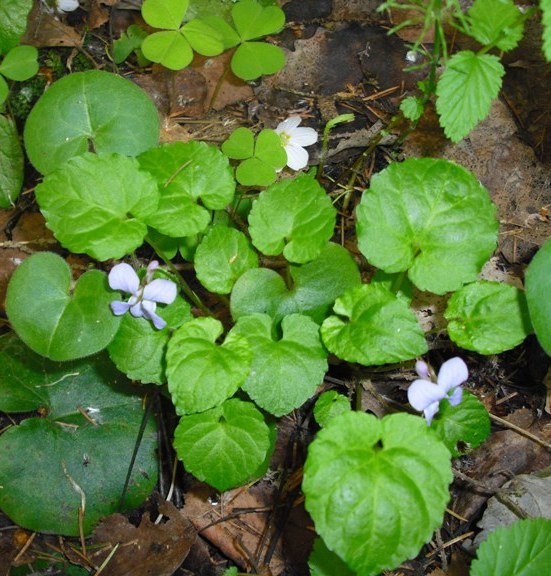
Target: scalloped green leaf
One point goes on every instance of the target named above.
(286, 369)
(488, 317)
(55, 320)
(430, 217)
(11, 163)
(83, 441)
(193, 178)
(294, 217)
(203, 38)
(496, 22)
(164, 13)
(254, 59)
(92, 110)
(222, 257)
(226, 446)
(202, 374)
(252, 20)
(372, 326)
(465, 91)
(376, 489)
(521, 549)
(20, 63)
(98, 204)
(329, 405)
(169, 48)
(13, 22)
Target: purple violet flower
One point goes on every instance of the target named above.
(144, 296)
(425, 395)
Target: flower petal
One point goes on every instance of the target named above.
(422, 369)
(456, 396)
(430, 411)
(423, 393)
(160, 290)
(148, 310)
(304, 137)
(297, 157)
(123, 277)
(288, 125)
(452, 373)
(119, 307)
(138, 309)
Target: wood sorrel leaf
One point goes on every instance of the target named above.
(240, 144)
(52, 319)
(376, 489)
(169, 48)
(286, 370)
(98, 204)
(164, 13)
(430, 217)
(294, 217)
(488, 317)
(252, 20)
(11, 163)
(372, 326)
(254, 59)
(202, 38)
(226, 446)
(187, 172)
(89, 111)
(202, 374)
(83, 440)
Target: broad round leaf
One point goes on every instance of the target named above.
(252, 20)
(372, 326)
(202, 374)
(91, 110)
(430, 217)
(54, 320)
(164, 13)
(226, 446)
(98, 204)
(20, 63)
(11, 163)
(488, 317)
(254, 59)
(168, 48)
(376, 489)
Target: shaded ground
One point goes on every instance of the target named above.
(339, 60)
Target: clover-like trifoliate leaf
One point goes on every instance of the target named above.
(430, 217)
(496, 22)
(488, 317)
(222, 257)
(252, 20)
(203, 38)
(329, 405)
(465, 91)
(226, 446)
(169, 48)
(89, 111)
(11, 163)
(240, 144)
(286, 369)
(55, 320)
(316, 285)
(254, 59)
(167, 14)
(294, 217)
(202, 374)
(376, 489)
(98, 204)
(188, 172)
(372, 326)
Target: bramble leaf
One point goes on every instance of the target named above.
(496, 23)
(11, 163)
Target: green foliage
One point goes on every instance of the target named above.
(323, 562)
(130, 41)
(20, 63)
(545, 6)
(13, 22)
(11, 163)
(329, 405)
(393, 472)
(496, 23)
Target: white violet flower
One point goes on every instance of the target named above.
(294, 139)
(145, 296)
(425, 395)
(67, 5)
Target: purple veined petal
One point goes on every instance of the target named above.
(452, 373)
(148, 310)
(152, 266)
(119, 308)
(422, 369)
(423, 393)
(456, 396)
(304, 136)
(123, 277)
(288, 125)
(297, 157)
(430, 411)
(160, 290)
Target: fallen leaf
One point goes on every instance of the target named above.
(44, 30)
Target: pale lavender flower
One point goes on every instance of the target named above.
(144, 296)
(294, 139)
(67, 5)
(425, 395)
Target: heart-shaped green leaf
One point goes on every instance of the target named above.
(169, 48)
(164, 13)
(254, 59)
(252, 20)
(11, 163)
(202, 38)
(329, 405)
(20, 63)
(240, 144)
(91, 110)
(52, 319)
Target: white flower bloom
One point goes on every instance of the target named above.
(425, 395)
(67, 5)
(294, 139)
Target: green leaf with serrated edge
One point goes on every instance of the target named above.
(398, 283)
(286, 370)
(240, 144)
(496, 23)
(187, 172)
(222, 257)
(372, 326)
(329, 405)
(323, 562)
(229, 36)
(168, 48)
(465, 91)
(84, 441)
(467, 423)
(412, 108)
(545, 7)
(164, 13)
(13, 22)
(128, 42)
(91, 110)
(20, 63)
(254, 172)
(98, 204)
(294, 216)
(538, 288)
(54, 321)
(316, 285)
(139, 349)
(11, 163)
(202, 38)
(226, 446)
(430, 217)
(254, 59)
(521, 549)
(488, 317)
(254, 21)
(376, 489)
(202, 374)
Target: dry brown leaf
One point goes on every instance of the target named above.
(44, 30)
